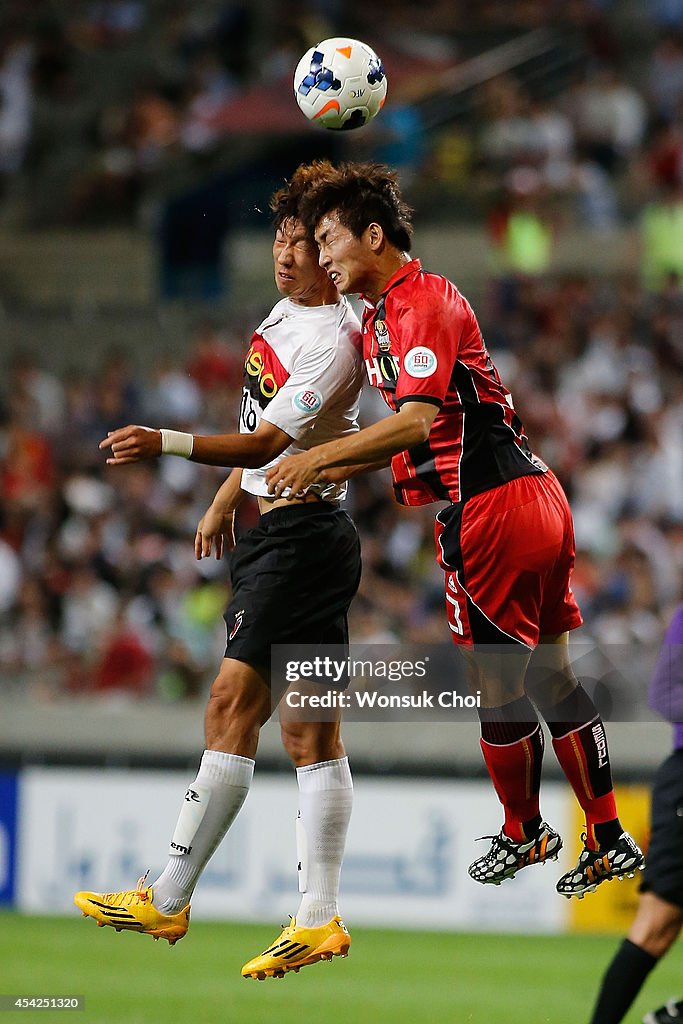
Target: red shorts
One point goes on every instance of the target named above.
(508, 555)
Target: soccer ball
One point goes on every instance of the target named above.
(340, 83)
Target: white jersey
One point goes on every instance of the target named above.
(303, 373)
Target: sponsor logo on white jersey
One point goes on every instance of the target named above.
(255, 368)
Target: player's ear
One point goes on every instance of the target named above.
(375, 236)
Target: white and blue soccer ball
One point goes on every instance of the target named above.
(340, 83)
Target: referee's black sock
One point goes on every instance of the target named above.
(622, 982)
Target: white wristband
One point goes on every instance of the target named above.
(175, 442)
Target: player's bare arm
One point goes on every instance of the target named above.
(249, 451)
(339, 474)
(216, 528)
(410, 426)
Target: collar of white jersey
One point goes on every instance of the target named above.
(292, 307)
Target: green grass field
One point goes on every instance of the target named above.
(391, 977)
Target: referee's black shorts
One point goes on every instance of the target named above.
(294, 576)
(664, 862)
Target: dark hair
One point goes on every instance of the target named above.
(286, 202)
(361, 194)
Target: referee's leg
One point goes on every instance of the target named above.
(656, 927)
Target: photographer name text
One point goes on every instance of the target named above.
(372, 699)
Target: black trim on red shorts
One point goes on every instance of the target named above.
(484, 632)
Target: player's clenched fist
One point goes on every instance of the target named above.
(132, 444)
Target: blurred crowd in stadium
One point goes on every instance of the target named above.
(110, 107)
(99, 588)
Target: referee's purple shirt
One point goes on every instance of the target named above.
(666, 689)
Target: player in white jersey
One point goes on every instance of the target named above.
(293, 577)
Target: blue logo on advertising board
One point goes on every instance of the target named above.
(8, 836)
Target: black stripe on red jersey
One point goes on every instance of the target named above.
(429, 399)
(422, 459)
(493, 450)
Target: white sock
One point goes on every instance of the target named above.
(325, 801)
(212, 802)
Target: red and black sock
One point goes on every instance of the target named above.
(512, 745)
(580, 744)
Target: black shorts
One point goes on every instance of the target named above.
(664, 862)
(294, 576)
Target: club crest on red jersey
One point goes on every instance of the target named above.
(382, 334)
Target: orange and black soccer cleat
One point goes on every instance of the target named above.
(506, 856)
(597, 866)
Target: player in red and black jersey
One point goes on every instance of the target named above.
(476, 440)
(505, 541)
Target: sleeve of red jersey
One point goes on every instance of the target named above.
(429, 340)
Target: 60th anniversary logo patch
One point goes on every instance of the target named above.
(420, 362)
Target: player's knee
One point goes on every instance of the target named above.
(656, 933)
(658, 942)
(550, 677)
(233, 703)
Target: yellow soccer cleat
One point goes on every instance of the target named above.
(134, 912)
(298, 947)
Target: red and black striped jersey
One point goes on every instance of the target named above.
(422, 343)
